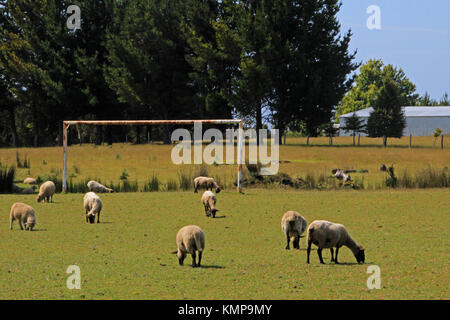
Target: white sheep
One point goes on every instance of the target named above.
(93, 205)
(325, 234)
(293, 225)
(189, 240)
(94, 186)
(29, 190)
(29, 181)
(205, 183)
(209, 201)
(24, 214)
(46, 192)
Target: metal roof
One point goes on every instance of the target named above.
(409, 112)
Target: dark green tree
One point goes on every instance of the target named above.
(355, 125)
(387, 118)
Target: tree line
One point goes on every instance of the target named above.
(271, 61)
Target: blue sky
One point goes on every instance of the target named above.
(414, 35)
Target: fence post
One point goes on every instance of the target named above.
(359, 140)
(442, 142)
(307, 140)
(410, 140)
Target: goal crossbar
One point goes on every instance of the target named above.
(68, 123)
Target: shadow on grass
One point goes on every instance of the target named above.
(220, 217)
(211, 267)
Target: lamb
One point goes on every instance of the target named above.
(24, 214)
(29, 190)
(93, 205)
(29, 181)
(209, 201)
(46, 192)
(206, 183)
(325, 234)
(94, 186)
(293, 225)
(189, 240)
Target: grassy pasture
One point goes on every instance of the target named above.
(142, 161)
(127, 256)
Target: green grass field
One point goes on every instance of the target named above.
(128, 255)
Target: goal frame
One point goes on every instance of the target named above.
(68, 123)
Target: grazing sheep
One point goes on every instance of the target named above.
(94, 186)
(341, 175)
(205, 183)
(29, 181)
(24, 214)
(189, 240)
(46, 192)
(209, 201)
(93, 205)
(29, 190)
(293, 225)
(325, 234)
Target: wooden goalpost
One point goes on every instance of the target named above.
(68, 123)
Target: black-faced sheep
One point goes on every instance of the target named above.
(325, 234)
(209, 201)
(293, 225)
(46, 192)
(24, 214)
(93, 205)
(205, 183)
(189, 240)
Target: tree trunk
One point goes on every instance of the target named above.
(35, 126)
(167, 135)
(259, 123)
(359, 140)
(138, 134)
(12, 122)
(385, 141)
(354, 138)
(307, 140)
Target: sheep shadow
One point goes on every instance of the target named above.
(211, 267)
(220, 217)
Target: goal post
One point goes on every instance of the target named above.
(68, 123)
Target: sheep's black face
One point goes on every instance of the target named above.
(91, 218)
(360, 256)
(217, 190)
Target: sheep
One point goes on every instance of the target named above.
(205, 182)
(325, 234)
(15, 188)
(93, 205)
(341, 175)
(29, 190)
(24, 214)
(189, 240)
(94, 186)
(46, 192)
(293, 225)
(209, 201)
(29, 181)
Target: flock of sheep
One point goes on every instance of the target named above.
(191, 239)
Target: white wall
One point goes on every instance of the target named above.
(417, 126)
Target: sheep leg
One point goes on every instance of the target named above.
(20, 224)
(335, 257)
(11, 223)
(332, 254)
(297, 243)
(288, 240)
(308, 251)
(199, 258)
(98, 217)
(319, 253)
(193, 259)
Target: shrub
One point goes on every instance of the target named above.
(7, 179)
(186, 180)
(172, 185)
(152, 185)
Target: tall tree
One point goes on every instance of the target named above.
(369, 83)
(387, 118)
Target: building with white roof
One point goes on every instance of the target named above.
(420, 121)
